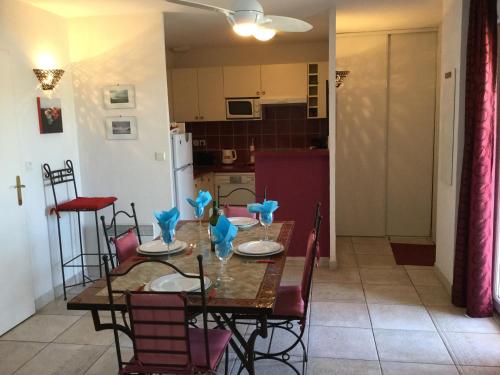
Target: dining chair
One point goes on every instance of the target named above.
(163, 341)
(237, 211)
(292, 303)
(125, 241)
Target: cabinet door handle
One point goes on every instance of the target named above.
(263, 92)
(202, 117)
(258, 92)
(196, 117)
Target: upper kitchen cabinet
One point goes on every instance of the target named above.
(317, 76)
(284, 81)
(185, 94)
(211, 94)
(242, 81)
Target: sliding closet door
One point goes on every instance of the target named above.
(361, 136)
(410, 136)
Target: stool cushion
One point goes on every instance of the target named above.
(85, 204)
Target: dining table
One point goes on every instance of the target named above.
(248, 289)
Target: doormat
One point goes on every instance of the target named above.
(414, 254)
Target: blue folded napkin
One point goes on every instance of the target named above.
(200, 202)
(224, 233)
(167, 220)
(265, 209)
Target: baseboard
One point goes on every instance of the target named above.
(58, 289)
(440, 275)
(44, 300)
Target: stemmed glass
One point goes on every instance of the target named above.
(223, 251)
(198, 214)
(168, 238)
(266, 219)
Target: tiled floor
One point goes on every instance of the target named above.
(370, 316)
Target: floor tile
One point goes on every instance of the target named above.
(14, 354)
(424, 277)
(396, 368)
(330, 366)
(40, 328)
(292, 274)
(475, 349)
(411, 346)
(377, 249)
(58, 307)
(433, 295)
(403, 317)
(340, 342)
(339, 275)
(340, 314)
(375, 261)
(477, 370)
(282, 340)
(107, 363)
(270, 367)
(83, 332)
(344, 244)
(338, 292)
(62, 359)
(389, 276)
(345, 259)
(392, 294)
(370, 240)
(453, 319)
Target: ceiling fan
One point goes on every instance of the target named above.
(248, 19)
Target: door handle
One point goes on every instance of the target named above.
(18, 186)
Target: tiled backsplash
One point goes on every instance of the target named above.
(283, 127)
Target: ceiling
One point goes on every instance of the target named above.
(191, 27)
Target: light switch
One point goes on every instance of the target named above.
(160, 156)
(28, 165)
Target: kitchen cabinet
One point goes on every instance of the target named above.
(322, 89)
(279, 81)
(317, 76)
(211, 103)
(242, 81)
(185, 94)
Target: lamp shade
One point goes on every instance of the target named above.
(48, 78)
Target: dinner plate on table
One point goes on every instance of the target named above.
(157, 247)
(243, 222)
(259, 248)
(175, 282)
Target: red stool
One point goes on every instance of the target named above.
(78, 204)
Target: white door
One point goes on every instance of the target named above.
(16, 286)
(242, 81)
(284, 81)
(211, 94)
(185, 94)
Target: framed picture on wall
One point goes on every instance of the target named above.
(49, 115)
(119, 96)
(121, 128)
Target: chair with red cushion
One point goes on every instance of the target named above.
(77, 204)
(292, 302)
(232, 211)
(125, 241)
(237, 211)
(163, 341)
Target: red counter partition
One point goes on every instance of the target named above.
(297, 180)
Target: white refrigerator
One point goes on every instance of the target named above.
(182, 156)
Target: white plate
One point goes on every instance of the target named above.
(175, 282)
(157, 247)
(259, 248)
(243, 222)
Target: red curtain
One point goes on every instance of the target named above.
(473, 269)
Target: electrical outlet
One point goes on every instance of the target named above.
(196, 142)
(203, 142)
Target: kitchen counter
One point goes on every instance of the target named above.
(221, 168)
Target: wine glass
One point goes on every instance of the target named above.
(224, 251)
(168, 237)
(266, 219)
(198, 214)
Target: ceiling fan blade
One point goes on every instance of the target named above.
(286, 24)
(195, 4)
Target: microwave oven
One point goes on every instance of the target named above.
(243, 108)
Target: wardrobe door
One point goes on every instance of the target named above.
(410, 135)
(361, 135)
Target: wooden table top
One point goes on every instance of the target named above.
(252, 290)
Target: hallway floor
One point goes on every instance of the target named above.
(369, 316)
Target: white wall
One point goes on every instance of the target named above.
(251, 55)
(453, 48)
(26, 32)
(126, 49)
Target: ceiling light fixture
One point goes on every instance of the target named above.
(264, 34)
(245, 29)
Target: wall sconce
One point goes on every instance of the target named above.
(48, 78)
(340, 76)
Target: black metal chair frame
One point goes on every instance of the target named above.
(130, 330)
(116, 235)
(286, 324)
(63, 176)
(219, 196)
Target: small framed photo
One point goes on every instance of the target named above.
(121, 128)
(119, 96)
(49, 115)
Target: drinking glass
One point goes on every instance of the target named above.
(223, 251)
(198, 214)
(266, 219)
(171, 233)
